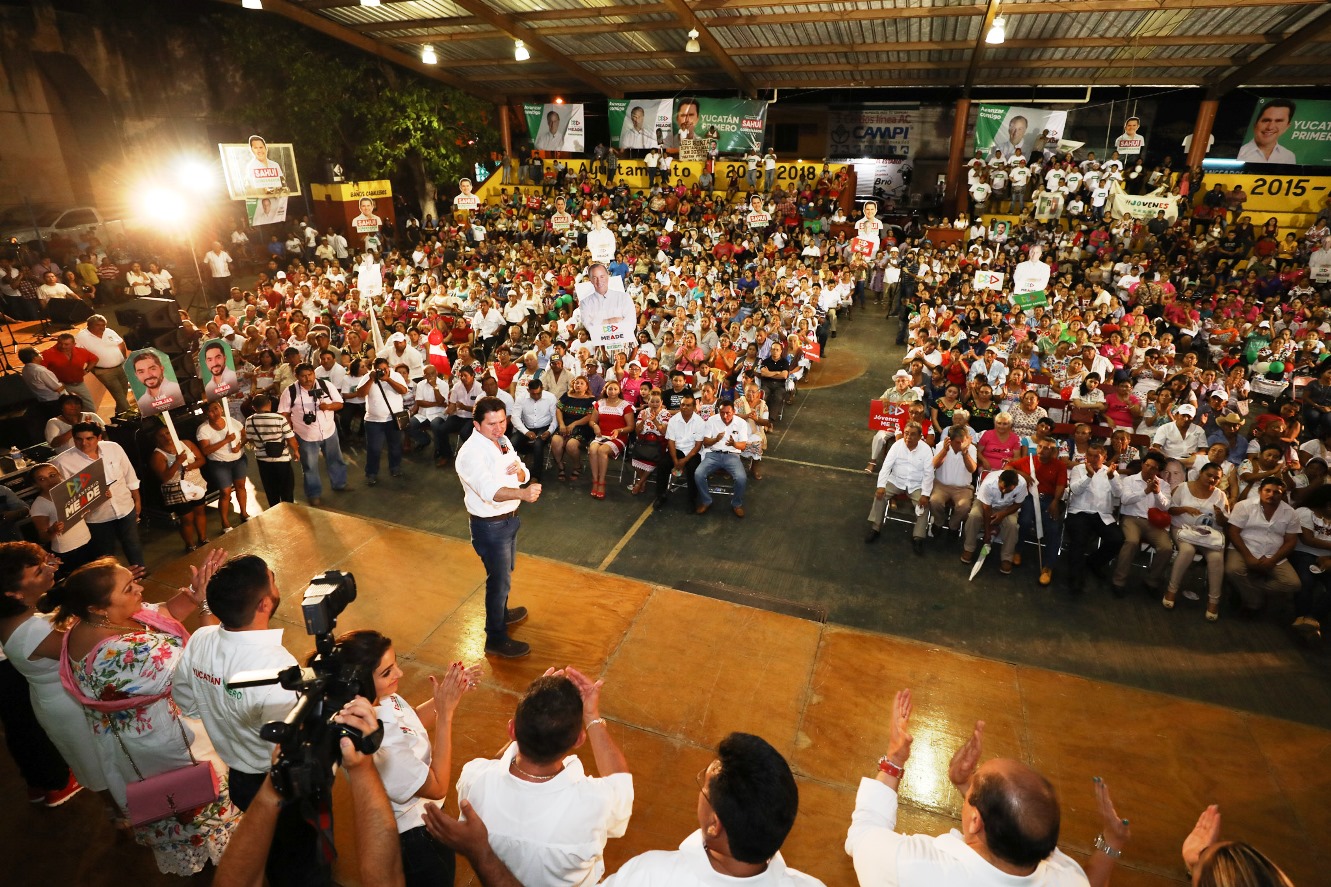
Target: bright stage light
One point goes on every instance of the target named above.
(163, 205)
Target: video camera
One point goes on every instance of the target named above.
(308, 736)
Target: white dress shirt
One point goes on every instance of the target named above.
(534, 415)
(324, 425)
(953, 471)
(403, 760)
(685, 432)
(1264, 537)
(233, 717)
(734, 437)
(550, 833)
(907, 469)
(689, 866)
(121, 478)
(482, 466)
(429, 404)
(465, 397)
(1091, 494)
(1134, 501)
(1175, 445)
(885, 858)
(990, 494)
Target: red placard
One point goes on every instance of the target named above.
(813, 350)
(890, 417)
(862, 247)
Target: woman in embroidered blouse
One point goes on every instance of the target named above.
(117, 660)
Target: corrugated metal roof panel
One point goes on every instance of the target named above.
(393, 12)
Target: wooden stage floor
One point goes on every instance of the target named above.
(681, 671)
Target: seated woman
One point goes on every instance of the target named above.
(982, 408)
(575, 427)
(1199, 502)
(753, 409)
(612, 420)
(183, 491)
(999, 445)
(1089, 395)
(652, 421)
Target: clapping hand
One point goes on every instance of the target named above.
(589, 690)
(1114, 829)
(898, 732)
(448, 690)
(200, 576)
(1205, 833)
(966, 758)
(466, 834)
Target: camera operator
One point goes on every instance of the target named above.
(380, 859)
(413, 768)
(243, 595)
(310, 409)
(382, 390)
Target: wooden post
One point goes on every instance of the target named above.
(505, 131)
(956, 180)
(1201, 132)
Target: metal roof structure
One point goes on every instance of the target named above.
(619, 47)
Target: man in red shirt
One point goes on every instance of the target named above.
(1051, 478)
(71, 364)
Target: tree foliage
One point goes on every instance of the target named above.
(332, 101)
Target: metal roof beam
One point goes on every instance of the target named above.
(1276, 55)
(526, 18)
(330, 28)
(535, 42)
(977, 52)
(684, 13)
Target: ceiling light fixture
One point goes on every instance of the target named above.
(997, 32)
(428, 56)
(369, 2)
(692, 45)
(252, 4)
(520, 51)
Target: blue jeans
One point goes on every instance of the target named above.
(436, 429)
(376, 434)
(309, 464)
(1053, 529)
(126, 531)
(729, 463)
(769, 179)
(496, 541)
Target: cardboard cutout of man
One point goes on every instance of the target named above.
(606, 309)
(217, 365)
(153, 380)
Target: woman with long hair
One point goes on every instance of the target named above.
(117, 660)
(612, 421)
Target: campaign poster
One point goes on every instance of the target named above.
(217, 367)
(988, 280)
(883, 178)
(1286, 131)
(556, 127)
(259, 169)
(606, 309)
(1007, 127)
(368, 220)
(889, 417)
(153, 380)
(465, 199)
(1130, 142)
(737, 125)
(80, 493)
(1029, 280)
(266, 210)
(871, 131)
(1048, 205)
(639, 124)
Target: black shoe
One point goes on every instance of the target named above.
(507, 649)
(1119, 591)
(872, 535)
(514, 615)
(372, 481)
(917, 545)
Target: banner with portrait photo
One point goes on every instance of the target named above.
(367, 221)
(266, 210)
(1006, 127)
(737, 125)
(153, 380)
(610, 318)
(1288, 131)
(259, 169)
(639, 124)
(1131, 142)
(883, 178)
(217, 369)
(556, 127)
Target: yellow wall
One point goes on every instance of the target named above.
(1294, 200)
(352, 190)
(634, 174)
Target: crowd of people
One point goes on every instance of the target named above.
(102, 690)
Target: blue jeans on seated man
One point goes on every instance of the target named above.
(376, 435)
(309, 464)
(497, 544)
(729, 463)
(1053, 529)
(422, 432)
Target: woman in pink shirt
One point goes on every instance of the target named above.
(998, 445)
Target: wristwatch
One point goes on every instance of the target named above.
(1103, 847)
(890, 767)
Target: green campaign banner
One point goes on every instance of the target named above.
(736, 125)
(1289, 132)
(1008, 127)
(1027, 301)
(556, 127)
(639, 124)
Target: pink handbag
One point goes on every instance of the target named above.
(172, 793)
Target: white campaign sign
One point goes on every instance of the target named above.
(1030, 276)
(990, 280)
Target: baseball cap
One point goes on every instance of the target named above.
(1265, 323)
(1186, 410)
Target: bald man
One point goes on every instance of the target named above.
(1009, 824)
